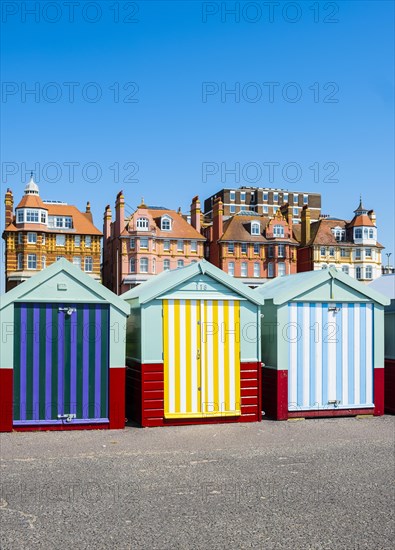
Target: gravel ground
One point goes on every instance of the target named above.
(313, 484)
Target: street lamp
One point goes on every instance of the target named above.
(388, 254)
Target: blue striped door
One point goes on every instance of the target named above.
(330, 356)
(60, 363)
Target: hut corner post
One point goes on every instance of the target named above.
(6, 400)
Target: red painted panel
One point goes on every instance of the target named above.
(6, 400)
(389, 386)
(117, 398)
(275, 393)
(378, 391)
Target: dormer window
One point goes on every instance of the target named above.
(255, 228)
(339, 233)
(142, 224)
(278, 231)
(358, 233)
(165, 223)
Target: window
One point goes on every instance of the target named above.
(244, 248)
(265, 209)
(88, 241)
(281, 269)
(345, 269)
(144, 265)
(20, 261)
(132, 265)
(43, 262)
(285, 197)
(358, 233)
(166, 265)
(265, 196)
(51, 222)
(358, 273)
(275, 197)
(60, 240)
(59, 222)
(324, 266)
(323, 251)
(193, 246)
(232, 195)
(144, 243)
(369, 272)
(296, 198)
(338, 233)
(165, 223)
(77, 261)
(331, 251)
(142, 224)
(357, 253)
(371, 233)
(166, 245)
(31, 261)
(275, 208)
(68, 222)
(255, 228)
(43, 217)
(278, 231)
(32, 238)
(368, 252)
(231, 269)
(270, 269)
(257, 269)
(295, 211)
(32, 216)
(180, 263)
(256, 248)
(180, 246)
(281, 251)
(132, 244)
(365, 233)
(231, 248)
(19, 216)
(77, 240)
(252, 196)
(20, 238)
(242, 196)
(305, 199)
(270, 251)
(43, 238)
(153, 266)
(232, 209)
(88, 264)
(153, 244)
(343, 253)
(244, 269)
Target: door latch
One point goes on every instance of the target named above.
(68, 310)
(198, 354)
(67, 417)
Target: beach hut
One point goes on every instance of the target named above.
(62, 353)
(192, 349)
(386, 285)
(322, 346)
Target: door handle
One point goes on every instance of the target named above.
(198, 354)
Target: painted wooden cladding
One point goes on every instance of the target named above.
(201, 358)
(61, 363)
(330, 356)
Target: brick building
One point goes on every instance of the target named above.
(350, 246)
(265, 201)
(251, 246)
(40, 232)
(151, 240)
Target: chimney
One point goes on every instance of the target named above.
(88, 213)
(9, 207)
(305, 229)
(119, 214)
(195, 213)
(218, 224)
(372, 216)
(107, 223)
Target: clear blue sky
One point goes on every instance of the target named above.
(169, 49)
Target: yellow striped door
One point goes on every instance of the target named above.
(201, 358)
(220, 357)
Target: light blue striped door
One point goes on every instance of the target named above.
(330, 356)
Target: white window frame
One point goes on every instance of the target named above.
(232, 195)
(257, 248)
(244, 248)
(278, 230)
(61, 238)
(43, 262)
(20, 215)
(31, 259)
(281, 269)
(180, 264)
(20, 260)
(88, 264)
(77, 261)
(166, 246)
(275, 197)
(165, 220)
(244, 269)
(144, 265)
(77, 241)
(242, 196)
(369, 272)
(193, 246)
(257, 269)
(180, 246)
(32, 213)
(88, 241)
(31, 237)
(232, 209)
(231, 269)
(166, 265)
(142, 224)
(255, 228)
(144, 243)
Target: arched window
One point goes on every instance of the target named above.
(142, 224)
(278, 231)
(144, 265)
(255, 228)
(165, 224)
